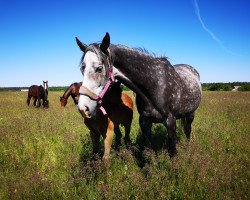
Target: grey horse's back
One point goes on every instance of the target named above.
(181, 67)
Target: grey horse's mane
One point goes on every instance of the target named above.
(95, 47)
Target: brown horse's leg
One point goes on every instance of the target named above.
(118, 136)
(39, 102)
(95, 136)
(28, 100)
(34, 103)
(108, 141)
(127, 126)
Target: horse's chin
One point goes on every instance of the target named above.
(91, 115)
(85, 115)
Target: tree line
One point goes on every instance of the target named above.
(244, 86)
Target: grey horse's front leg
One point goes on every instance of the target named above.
(146, 125)
(171, 128)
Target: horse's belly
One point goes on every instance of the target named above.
(188, 102)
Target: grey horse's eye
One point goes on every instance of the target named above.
(99, 69)
(82, 68)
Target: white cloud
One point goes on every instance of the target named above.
(216, 39)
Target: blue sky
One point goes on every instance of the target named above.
(37, 37)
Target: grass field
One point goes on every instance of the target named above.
(45, 154)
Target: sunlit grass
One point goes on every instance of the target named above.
(45, 154)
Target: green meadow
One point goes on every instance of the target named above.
(46, 154)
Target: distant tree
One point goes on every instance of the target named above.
(227, 87)
(217, 87)
(245, 87)
(204, 87)
(214, 87)
(57, 88)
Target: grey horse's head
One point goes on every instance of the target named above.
(94, 66)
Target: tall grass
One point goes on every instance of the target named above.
(46, 154)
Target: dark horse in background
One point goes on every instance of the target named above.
(165, 92)
(38, 93)
(119, 107)
(73, 91)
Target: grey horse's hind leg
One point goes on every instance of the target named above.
(187, 122)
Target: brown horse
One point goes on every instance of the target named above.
(119, 108)
(73, 91)
(38, 93)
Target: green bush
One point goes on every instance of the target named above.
(227, 87)
(220, 87)
(245, 87)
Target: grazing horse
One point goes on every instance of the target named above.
(119, 108)
(73, 91)
(38, 93)
(165, 93)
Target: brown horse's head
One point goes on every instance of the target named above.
(45, 85)
(63, 101)
(46, 103)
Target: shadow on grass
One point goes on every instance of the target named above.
(139, 149)
(159, 142)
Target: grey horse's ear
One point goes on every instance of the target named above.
(105, 43)
(82, 46)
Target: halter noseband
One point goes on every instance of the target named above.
(87, 92)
